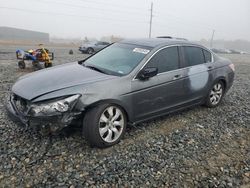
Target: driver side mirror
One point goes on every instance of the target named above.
(147, 73)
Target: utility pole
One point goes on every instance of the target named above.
(212, 40)
(150, 22)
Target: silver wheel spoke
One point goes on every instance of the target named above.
(216, 98)
(117, 115)
(117, 123)
(109, 136)
(219, 92)
(213, 99)
(103, 118)
(110, 111)
(115, 130)
(217, 87)
(103, 130)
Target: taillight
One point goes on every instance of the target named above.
(232, 66)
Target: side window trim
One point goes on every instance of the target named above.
(178, 67)
(185, 65)
(148, 60)
(178, 58)
(182, 57)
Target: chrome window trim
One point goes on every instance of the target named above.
(174, 45)
(193, 45)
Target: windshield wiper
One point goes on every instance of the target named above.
(95, 68)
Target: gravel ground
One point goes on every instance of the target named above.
(198, 147)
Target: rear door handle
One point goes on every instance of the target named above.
(177, 76)
(210, 67)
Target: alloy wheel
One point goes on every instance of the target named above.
(111, 124)
(216, 94)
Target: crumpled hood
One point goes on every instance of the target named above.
(45, 81)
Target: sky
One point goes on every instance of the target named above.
(191, 19)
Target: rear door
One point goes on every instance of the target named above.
(198, 67)
(163, 91)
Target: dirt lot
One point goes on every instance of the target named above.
(198, 147)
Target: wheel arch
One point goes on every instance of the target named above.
(114, 102)
(223, 80)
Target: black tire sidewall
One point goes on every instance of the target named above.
(21, 64)
(91, 126)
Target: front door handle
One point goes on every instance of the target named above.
(177, 76)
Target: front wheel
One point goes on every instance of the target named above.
(104, 125)
(215, 94)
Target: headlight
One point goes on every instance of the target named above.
(54, 108)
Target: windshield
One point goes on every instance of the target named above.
(118, 59)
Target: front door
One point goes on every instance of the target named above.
(162, 92)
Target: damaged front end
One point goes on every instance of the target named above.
(48, 116)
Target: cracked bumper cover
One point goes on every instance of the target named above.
(50, 123)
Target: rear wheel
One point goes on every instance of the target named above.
(104, 125)
(21, 64)
(215, 94)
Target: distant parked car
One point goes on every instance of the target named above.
(243, 52)
(235, 51)
(221, 51)
(126, 83)
(92, 47)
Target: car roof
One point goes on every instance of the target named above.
(154, 42)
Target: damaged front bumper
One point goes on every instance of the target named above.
(43, 124)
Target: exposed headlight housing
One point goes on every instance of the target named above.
(54, 108)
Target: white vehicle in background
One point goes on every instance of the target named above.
(92, 47)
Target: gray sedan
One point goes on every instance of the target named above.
(126, 83)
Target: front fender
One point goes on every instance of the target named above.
(121, 104)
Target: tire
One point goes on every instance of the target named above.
(21, 64)
(47, 65)
(215, 94)
(90, 50)
(100, 130)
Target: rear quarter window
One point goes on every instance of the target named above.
(207, 56)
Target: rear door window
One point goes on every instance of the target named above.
(193, 55)
(166, 59)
